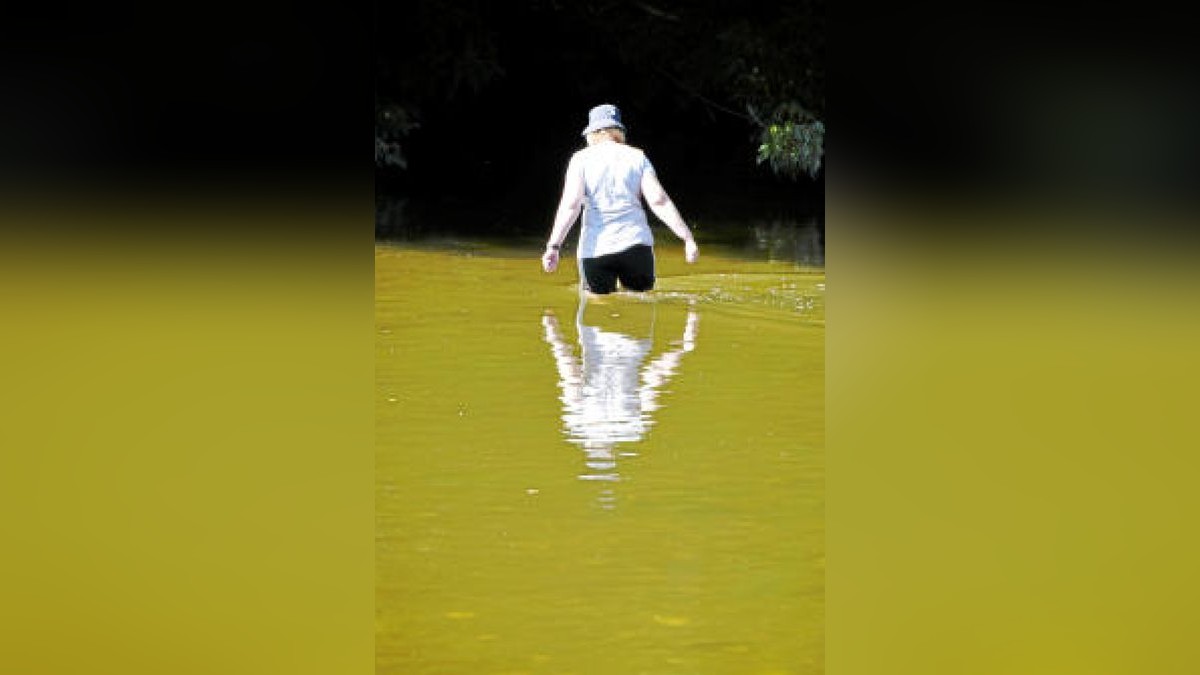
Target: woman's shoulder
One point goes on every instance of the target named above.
(579, 157)
(640, 158)
(607, 152)
(634, 154)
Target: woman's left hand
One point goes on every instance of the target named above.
(690, 251)
(550, 260)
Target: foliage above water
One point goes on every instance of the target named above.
(763, 65)
(393, 123)
(793, 143)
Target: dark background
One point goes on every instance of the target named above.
(494, 139)
(991, 101)
(223, 100)
(212, 98)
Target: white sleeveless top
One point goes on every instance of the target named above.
(613, 217)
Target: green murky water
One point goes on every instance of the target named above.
(632, 485)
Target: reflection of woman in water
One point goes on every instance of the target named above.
(608, 391)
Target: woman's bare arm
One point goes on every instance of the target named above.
(662, 206)
(564, 218)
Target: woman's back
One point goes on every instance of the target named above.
(607, 181)
(613, 217)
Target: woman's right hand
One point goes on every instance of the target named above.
(690, 251)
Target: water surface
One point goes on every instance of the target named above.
(628, 485)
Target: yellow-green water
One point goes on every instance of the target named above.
(632, 485)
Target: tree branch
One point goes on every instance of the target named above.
(704, 99)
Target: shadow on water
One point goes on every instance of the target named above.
(780, 235)
(782, 239)
(609, 387)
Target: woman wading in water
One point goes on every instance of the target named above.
(608, 180)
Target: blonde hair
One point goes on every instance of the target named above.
(612, 133)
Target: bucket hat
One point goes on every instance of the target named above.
(603, 117)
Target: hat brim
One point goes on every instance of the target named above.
(597, 126)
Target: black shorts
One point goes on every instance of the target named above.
(634, 267)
